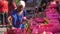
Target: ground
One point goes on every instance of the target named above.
(2, 30)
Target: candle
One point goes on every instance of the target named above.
(39, 26)
(44, 32)
(47, 32)
(36, 32)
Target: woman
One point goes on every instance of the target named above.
(3, 11)
(17, 16)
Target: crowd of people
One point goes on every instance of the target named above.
(6, 7)
(45, 20)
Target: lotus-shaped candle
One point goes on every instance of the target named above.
(39, 20)
(35, 31)
(47, 32)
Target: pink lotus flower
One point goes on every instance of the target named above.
(35, 31)
(53, 4)
(59, 16)
(11, 31)
(46, 32)
(49, 28)
(54, 21)
(39, 20)
(24, 31)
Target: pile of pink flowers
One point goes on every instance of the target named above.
(37, 25)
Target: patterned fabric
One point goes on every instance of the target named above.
(17, 19)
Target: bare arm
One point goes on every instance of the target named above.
(9, 19)
(10, 22)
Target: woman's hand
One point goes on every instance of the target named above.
(9, 19)
(24, 18)
(10, 22)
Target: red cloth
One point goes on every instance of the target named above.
(3, 6)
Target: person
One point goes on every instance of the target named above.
(43, 5)
(17, 15)
(58, 8)
(11, 3)
(3, 10)
(3, 6)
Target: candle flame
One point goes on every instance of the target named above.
(36, 32)
(39, 26)
(44, 32)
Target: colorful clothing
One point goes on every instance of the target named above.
(17, 19)
(3, 6)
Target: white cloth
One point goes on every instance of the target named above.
(21, 3)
